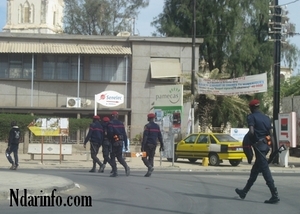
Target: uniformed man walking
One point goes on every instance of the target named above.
(95, 136)
(117, 136)
(259, 127)
(150, 136)
(106, 145)
(13, 145)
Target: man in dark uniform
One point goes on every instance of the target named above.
(13, 145)
(106, 145)
(117, 136)
(259, 127)
(150, 136)
(95, 136)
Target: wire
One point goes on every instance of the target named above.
(292, 2)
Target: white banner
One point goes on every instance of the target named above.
(241, 85)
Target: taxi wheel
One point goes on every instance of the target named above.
(235, 162)
(214, 159)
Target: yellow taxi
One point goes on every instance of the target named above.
(215, 146)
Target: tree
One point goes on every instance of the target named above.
(235, 43)
(100, 17)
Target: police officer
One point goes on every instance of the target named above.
(259, 127)
(150, 136)
(95, 136)
(117, 136)
(106, 145)
(13, 145)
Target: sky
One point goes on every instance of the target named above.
(143, 21)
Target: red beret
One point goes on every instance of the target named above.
(151, 115)
(114, 113)
(105, 119)
(96, 117)
(254, 103)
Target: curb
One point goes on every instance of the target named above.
(38, 191)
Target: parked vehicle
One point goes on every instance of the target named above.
(215, 146)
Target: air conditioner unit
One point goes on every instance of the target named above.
(73, 102)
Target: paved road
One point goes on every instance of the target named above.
(166, 192)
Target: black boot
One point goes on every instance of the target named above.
(150, 170)
(102, 167)
(114, 174)
(241, 192)
(93, 168)
(274, 199)
(127, 171)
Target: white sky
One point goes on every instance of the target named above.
(146, 16)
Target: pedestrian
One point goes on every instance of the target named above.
(150, 136)
(259, 128)
(106, 145)
(95, 136)
(117, 136)
(13, 145)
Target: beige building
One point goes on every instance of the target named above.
(59, 75)
(34, 16)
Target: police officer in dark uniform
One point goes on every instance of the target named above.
(106, 145)
(259, 127)
(150, 136)
(13, 145)
(117, 136)
(95, 136)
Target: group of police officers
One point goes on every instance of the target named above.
(111, 135)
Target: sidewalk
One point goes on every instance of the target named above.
(81, 160)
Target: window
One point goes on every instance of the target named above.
(225, 138)
(107, 69)
(16, 66)
(26, 12)
(212, 140)
(3, 65)
(203, 139)
(191, 139)
(61, 67)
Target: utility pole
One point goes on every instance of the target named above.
(276, 30)
(193, 71)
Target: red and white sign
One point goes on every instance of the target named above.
(287, 129)
(109, 98)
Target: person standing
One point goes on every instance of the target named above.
(259, 128)
(117, 136)
(106, 145)
(13, 145)
(95, 136)
(150, 136)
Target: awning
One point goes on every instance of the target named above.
(165, 68)
(59, 48)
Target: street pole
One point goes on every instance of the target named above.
(277, 58)
(193, 71)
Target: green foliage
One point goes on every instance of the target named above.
(235, 44)
(23, 120)
(100, 17)
(6, 119)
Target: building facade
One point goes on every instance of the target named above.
(41, 73)
(34, 16)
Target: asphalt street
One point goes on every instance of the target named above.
(179, 192)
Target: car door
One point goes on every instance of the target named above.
(185, 148)
(201, 146)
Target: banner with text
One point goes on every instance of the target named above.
(241, 85)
